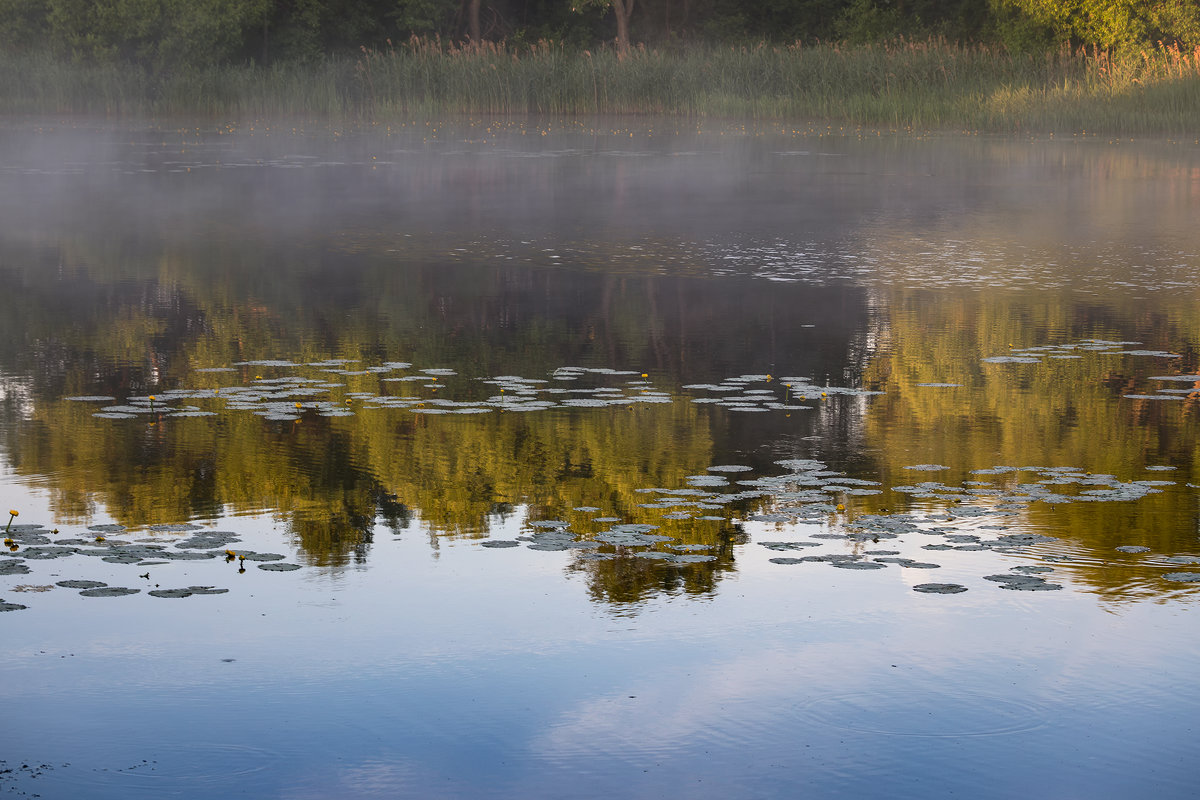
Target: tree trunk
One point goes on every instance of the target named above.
(622, 9)
(473, 20)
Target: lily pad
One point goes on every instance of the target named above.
(1023, 583)
(939, 588)
(250, 555)
(108, 591)
(499, 543)
(170, 593)
(279, 567)
(11, 606)
(1183, 577)
(81, 584)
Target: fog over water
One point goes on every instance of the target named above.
(510, 459)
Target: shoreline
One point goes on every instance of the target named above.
(914, 88)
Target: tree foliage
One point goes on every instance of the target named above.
(174, 34)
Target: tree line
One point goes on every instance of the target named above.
(181, 34)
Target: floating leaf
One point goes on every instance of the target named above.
(939, 588)
(108, 591)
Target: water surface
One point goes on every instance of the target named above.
(498, 460)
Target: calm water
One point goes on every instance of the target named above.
(581, 461)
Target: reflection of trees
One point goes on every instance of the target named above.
(442, 261)
(1061, 412)
(141, 317)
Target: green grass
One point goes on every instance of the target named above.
(916, 85)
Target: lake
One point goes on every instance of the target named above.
(639, 459)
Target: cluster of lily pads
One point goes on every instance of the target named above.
(629, 539)
(1078, 350)
(27, 544)
(288, 398)
(735, 394)
(968, 518)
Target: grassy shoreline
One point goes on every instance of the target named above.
(908, 86)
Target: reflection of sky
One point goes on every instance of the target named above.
(486, 673)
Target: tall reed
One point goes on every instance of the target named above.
(905, 85)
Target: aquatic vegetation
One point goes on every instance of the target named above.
(1023, 583)
(199, 545)
(109, 591)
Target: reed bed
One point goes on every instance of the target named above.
(930, 85)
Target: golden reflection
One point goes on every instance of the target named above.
(1060, 412)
